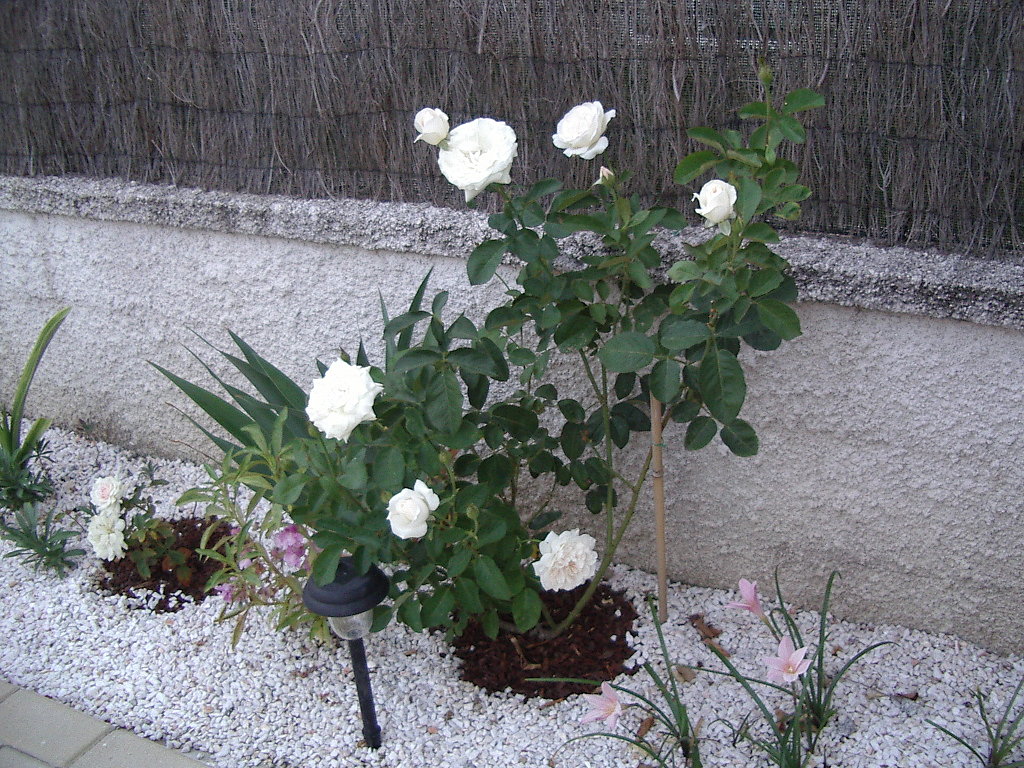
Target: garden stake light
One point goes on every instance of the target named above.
(348, 604)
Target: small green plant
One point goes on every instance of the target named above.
(264, 562)
(39, 540)
(19, 483)
(806, 681)
(1004, 736)
(673, 740)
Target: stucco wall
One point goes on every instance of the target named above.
(890, 434)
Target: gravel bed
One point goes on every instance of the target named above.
(280, 699)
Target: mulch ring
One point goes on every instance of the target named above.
(593, 648)
(122, 578)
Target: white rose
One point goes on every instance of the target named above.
(107, 493)
(478, 153)
(106, 535)
(432, 125)
(409, 509)
(581, 131)
(566, 560)
(716, 200)
(342, 399)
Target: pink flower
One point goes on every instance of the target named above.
(227, 591)
(749, 600)
(290, 546)
(788, 665)
(605, 706)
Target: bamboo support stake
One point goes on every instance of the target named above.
(659, 508)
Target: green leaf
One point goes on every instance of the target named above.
(685, 270)
(473, 360)
(576, 332)
(225, 414)
(492, 532)
(761, 233)
(779, 317)
(708, 136)
(495, 471)
(572, 410)
(764, 281)
(444, 403)
(288, 490)
(543, 519)
(490, 624)
(389, 468)
(518, 422)
(403, 321)
(748, 195)
(490, 578)
(413, 359)
(325, 567)
(802, 99)
(758, 110)
(677, 333)
(467, 593)
(722, 384)
(664, 381)
(484, 260)
(629, 351)
(409, 614)
(526, 610)
(437, 607)
(693, 165)
(791, 129)
(572, 440)
(740, 438)
(543, 188)
(700, 432)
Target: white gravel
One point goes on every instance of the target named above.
(279, 699)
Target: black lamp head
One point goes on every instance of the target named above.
(350, 592)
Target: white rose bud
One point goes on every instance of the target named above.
(605, 178)
(409, 509)
(478, 153)
(106, 494)
(716, 200)
(432, 125)
(566, 560)
(342, 399)
(581, 131)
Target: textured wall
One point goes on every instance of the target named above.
(890, 441)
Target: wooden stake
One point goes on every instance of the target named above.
(659, 508)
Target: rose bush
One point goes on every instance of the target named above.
(429, 476)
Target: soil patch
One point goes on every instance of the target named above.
(122, 578)
(593, 648)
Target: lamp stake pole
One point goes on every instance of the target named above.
(371, 730)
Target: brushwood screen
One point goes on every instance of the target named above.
(921, 141)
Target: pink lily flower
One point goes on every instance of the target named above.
(749, 600)
(788, 665)
(605, 706)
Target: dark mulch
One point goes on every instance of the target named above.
(593, 648)
(122, 578)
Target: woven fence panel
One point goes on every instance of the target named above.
(921, 141)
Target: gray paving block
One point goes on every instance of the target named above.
(12, 758)
(46, 729)
(123, 749)
(6, 689)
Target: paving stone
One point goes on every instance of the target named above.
(46, 729)
(6, 689)
(12, 758)
(124, 748)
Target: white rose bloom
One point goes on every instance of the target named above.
(432, 125)
(566, 560)
(716, 200)
(409, 509)
(478, 153)
(581, 131)
(107, 493)
(342, 399)
(106, 535)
